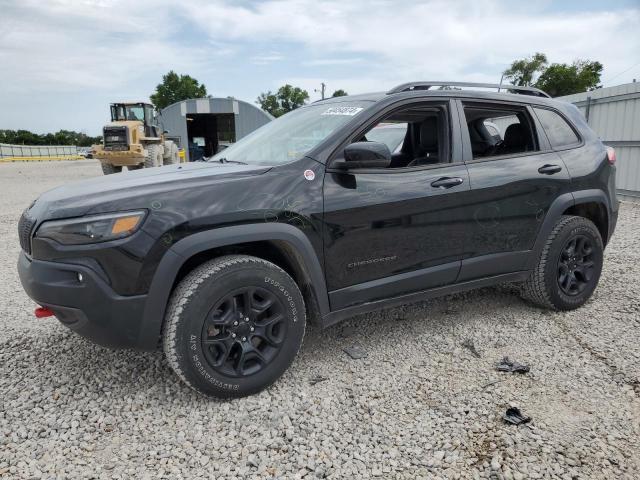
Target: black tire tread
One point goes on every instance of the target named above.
(535, 288)
(185, 290)
(153, 157)
(109, 169)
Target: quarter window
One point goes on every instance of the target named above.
(558, 131)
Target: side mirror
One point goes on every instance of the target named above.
(366, 155)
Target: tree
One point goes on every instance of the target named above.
(287, 98)
(556, 79)
(562, 79)
(62, 137)
(522, 72)
(175, 88)
(339, 93)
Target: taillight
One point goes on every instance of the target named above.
(611, 155)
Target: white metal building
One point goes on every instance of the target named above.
(202, 126)
(614, 114)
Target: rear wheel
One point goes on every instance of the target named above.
(569, 266)
(170, 153)
(108, 169)
(233, 326)
(154, 156)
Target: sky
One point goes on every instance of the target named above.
(63, 61)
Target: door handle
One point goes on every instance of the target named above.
(549, 169)
(446, 182)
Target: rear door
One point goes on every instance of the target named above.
(514, 179)
(398, 230)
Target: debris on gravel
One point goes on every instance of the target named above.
(514, 416)
(506, 365)
(317, 379)
(413, 408)
(356, 352)
(469, 345)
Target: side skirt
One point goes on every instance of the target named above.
(339, 315)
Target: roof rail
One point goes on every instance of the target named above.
(406, 87)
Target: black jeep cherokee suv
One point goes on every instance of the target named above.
(306, 219)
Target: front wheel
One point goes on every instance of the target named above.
(569, 266)
(109, 169)
(233, 326)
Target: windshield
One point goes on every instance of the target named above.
(291, 136)
(127, 112)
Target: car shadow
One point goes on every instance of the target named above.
(64, 363)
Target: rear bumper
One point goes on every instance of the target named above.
(613, 221)
(88, 307)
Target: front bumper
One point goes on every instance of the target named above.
(132, 156)
(89, 307)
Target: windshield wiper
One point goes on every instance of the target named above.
(224, 160)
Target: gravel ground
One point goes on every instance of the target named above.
(421, 404)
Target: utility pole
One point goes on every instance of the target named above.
(321, 90)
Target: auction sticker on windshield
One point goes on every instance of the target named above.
(350, 111)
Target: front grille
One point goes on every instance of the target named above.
(25, 229)
(115, 138)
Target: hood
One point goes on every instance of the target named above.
(125, 190)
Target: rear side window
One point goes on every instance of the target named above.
(499, 129)
(559, 132)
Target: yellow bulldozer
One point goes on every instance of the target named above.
(133, 139)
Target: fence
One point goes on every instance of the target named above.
(614, 114)
(13, 153)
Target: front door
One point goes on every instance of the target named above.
(401, 229)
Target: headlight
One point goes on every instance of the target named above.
(93, 228)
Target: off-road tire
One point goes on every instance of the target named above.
(154, 156)
(543, 287)
(131, 168)
(193, 302)
(108, 169)
(170, 153)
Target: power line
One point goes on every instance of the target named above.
(623, 72)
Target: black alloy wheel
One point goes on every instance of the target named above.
(233, 325)
(569, 266)
(244, 332)
(576, 265)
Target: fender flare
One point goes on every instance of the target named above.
(180, 252)
(557, 208)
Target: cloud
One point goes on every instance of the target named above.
(62, 45)
(323, 62)
(432, 39)
(120, 48)
(266, 58)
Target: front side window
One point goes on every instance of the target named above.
(496, 130)
(416, 136)
(148, 115)
(558, 131)
(291, 136)
(390, 133)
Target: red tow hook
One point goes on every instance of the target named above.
(42, 312)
